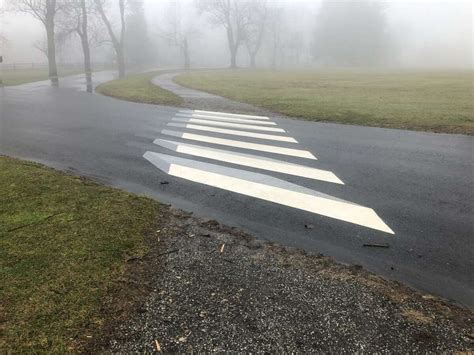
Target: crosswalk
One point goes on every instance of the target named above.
(194, 126)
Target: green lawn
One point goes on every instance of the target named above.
(20, 76)
(429, 101)
(138, 88)
(63, 244)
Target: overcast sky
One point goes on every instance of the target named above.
(428, 32)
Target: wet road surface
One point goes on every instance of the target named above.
(419, 185)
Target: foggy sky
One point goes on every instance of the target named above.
(427, 34)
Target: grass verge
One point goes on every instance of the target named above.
(138, 88)
(18, 77)
(428, 101)
(64, 242)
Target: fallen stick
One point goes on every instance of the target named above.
(34, 223)
(375, 245)
(169, 252)
(158, 347)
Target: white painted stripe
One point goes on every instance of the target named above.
(234, 132)
(267, 188)
(252, 161)
(224, 114)
(227, 119)
(227, 124)
(239, 144)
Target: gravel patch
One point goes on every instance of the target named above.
(214, 288)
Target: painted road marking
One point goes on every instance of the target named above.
(252, 161)
(225, 114)
(234, 132)
(227, 124)
(227, 119)
(267, 188)
(239, 144)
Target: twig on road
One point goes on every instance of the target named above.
(376, 245)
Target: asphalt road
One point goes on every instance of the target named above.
(420, 185)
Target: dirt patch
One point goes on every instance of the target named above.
(207, 287)
(417, 316)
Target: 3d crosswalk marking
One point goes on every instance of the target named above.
(239, 144)
(249, 160)
(227, 119)
(267, 188)
(227, 124)
(246, 182)
(234, 132)
(224, 114)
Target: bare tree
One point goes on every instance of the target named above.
(295, 47)
(275, 29)
(83, 32)
(45, 11)
(255, 29)
(42, 46)
(178, 34)
(117, 40)
(76, 21)
(233, 16)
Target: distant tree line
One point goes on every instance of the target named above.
(347, 33)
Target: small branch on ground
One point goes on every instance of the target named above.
(34, 223)
(169, 252)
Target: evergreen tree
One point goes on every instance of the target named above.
(139, 47)
(351, 33)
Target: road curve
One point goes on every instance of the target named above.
(417, 185)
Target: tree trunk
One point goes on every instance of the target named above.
(87, 64)
(117, 43)
(253, 64)
(49, 23)
(274, 55)
(233, 57)
(53, 69)
(120, 62)
(253, 50)
(233, 47)
(187, 61)
(121, 51)
(85, 47)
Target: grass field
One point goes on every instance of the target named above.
(138, 88)
(63, 244)
(21, 76)
(429, 101)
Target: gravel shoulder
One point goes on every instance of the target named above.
(207, 287)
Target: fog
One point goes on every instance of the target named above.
(311, 33)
